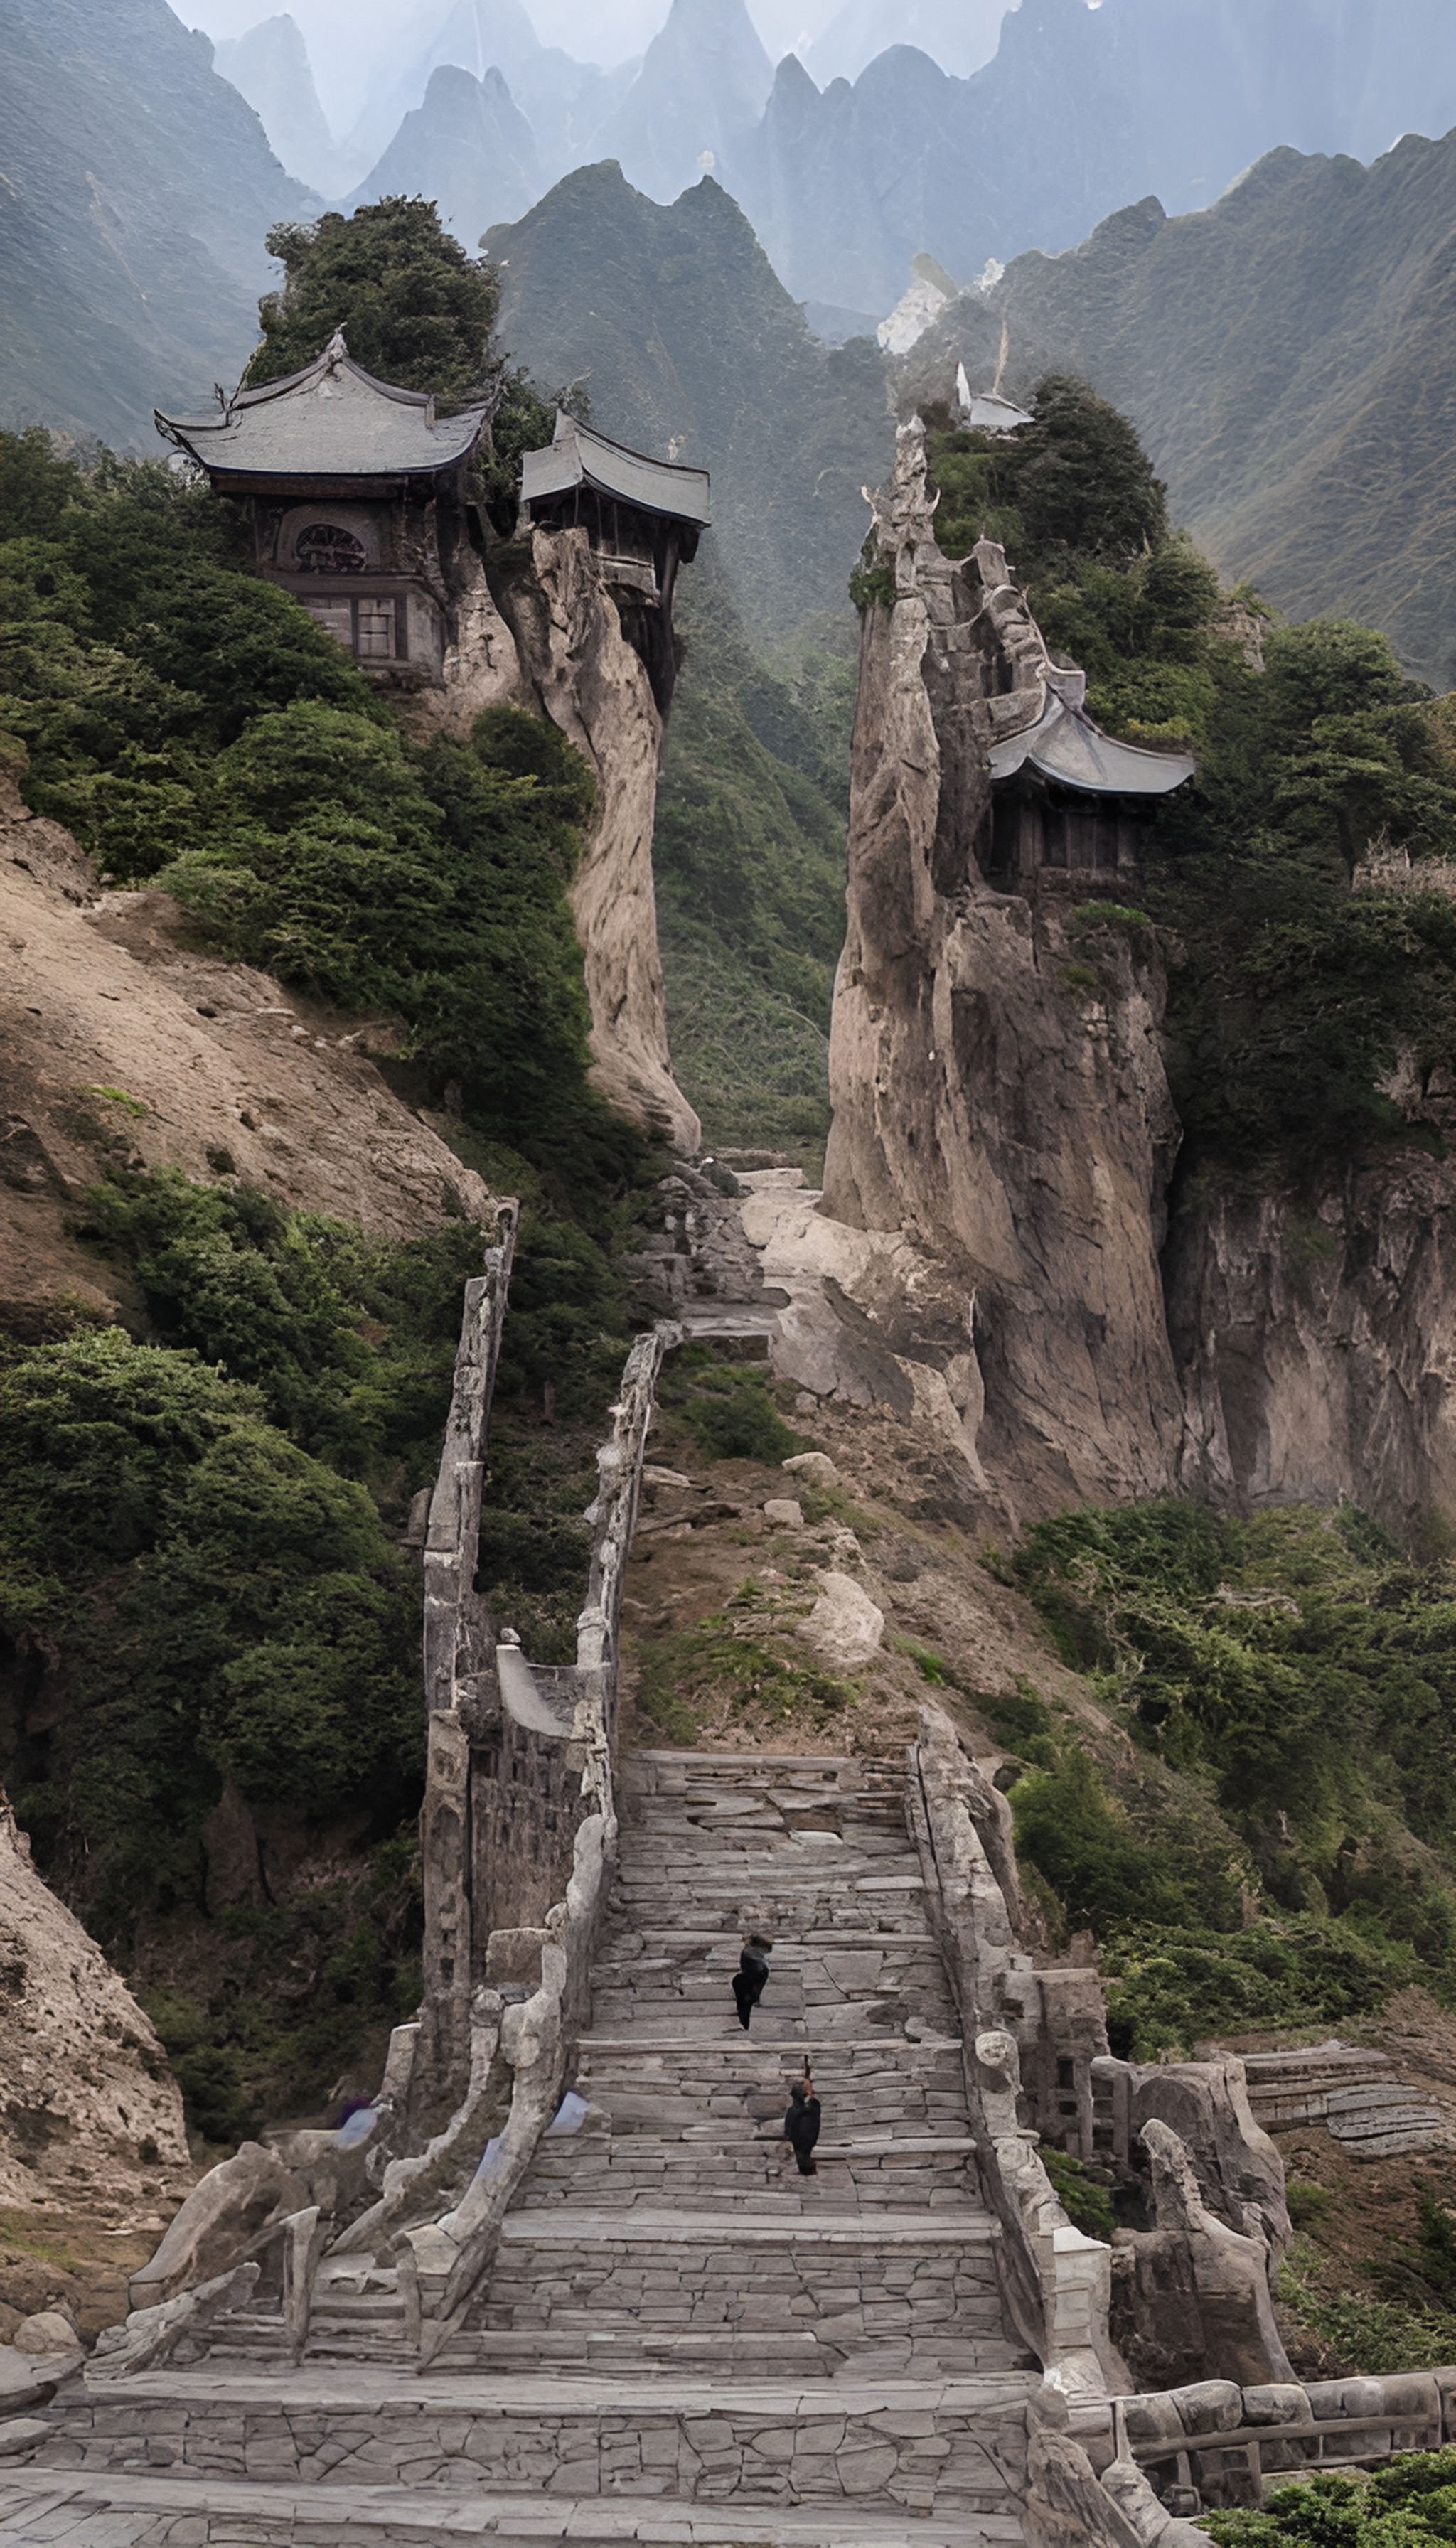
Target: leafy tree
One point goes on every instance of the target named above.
(351, 1342)
(228, 1607)
(415, 308)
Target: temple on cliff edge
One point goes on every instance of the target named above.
(365, 505)
(1064, 795)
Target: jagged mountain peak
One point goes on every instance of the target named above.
(705, 81)
(269, 65)
(468, 147)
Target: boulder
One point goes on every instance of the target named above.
(782, 1512)
(845, 1628)
(22, 2433)
(47, 2333)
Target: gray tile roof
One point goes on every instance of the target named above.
(578, 457)
(332, 419)
(1065, 745)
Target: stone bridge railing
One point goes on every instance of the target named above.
(518, 1831)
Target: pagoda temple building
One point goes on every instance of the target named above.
(365, 505)
(642, 518)
(357, 495)
(1064, 795)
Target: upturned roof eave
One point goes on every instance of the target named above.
(667, 488)
(1129, 768)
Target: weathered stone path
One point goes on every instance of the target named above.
(682, 2339)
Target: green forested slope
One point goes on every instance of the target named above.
(1289, 358)
(202, 1591)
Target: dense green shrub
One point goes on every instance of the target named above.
(729, 1410)
(1295, 1674)
(350, 1342)
(1409, 2504)
(224, 1607)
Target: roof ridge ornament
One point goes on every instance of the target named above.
(336, 351)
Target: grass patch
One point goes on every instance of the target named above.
(716, 1666)
(1087, 2205)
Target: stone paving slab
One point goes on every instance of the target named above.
(571, 2226)
(367, 2385)
(116, 2512)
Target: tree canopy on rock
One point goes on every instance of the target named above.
(415, 308)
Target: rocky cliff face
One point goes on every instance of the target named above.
(1315, 1344)
(92, 2113)
(997, 1080)
(593, 684)
(543, 629)
(121, 1041)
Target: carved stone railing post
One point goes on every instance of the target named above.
(304, 2237)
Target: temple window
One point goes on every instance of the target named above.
(376, 628)
(336, 617)
(327, 548)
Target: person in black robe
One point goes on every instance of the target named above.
(752, 1974)
(801, 2124)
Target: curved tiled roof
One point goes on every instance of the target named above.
(578, 457)
(1066, 746)
(332, 419)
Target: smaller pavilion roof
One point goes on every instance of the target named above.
(332, 419)
(1064, 745)
(985, 410)
(578, 457)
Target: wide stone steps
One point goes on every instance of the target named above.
(634, 2169)
(893, 2294)
(38, 2509)
(940, 2447)
(681, 2339)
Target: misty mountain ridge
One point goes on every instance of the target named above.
(1289, 359)
(1079, 111)
(138, 190)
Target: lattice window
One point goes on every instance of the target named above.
(327, 548)
(376, 628)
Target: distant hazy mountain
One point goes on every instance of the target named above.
(270, 66)
(689, 345)
(958, 35)
(1080, 110)
(1290, 360)
(699, 93)
(138, 189)
(565, 101)
(469, 149)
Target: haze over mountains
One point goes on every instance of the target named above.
(894, 131)
(1289, 359)
(138, 190)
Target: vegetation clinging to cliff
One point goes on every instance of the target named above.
(1300, 1675)
(416, 310)
(1292, 996)
(231, 1604)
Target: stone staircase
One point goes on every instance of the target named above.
(682, 2339)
